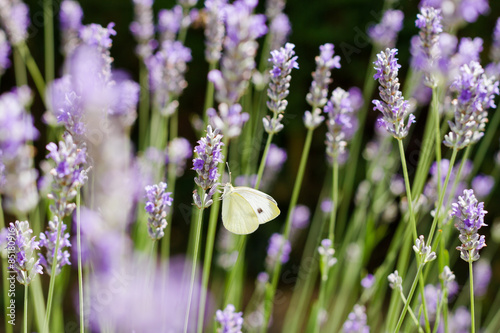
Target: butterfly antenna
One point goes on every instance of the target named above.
(229, 170)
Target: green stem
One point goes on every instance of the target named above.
(410, 296)
(263, 160)
(209, 96)
(19, 68)
(293, 202)
(441, 196)
(335, 203)
(195, 259)
(143, 105)
(471, 283)
(80, 278)
(412, 315)
(35, 73)
(321, 298)
(26, 309)
(209, 247)
(408, 189)
(52, 278)
(48, 20)
(437, 133)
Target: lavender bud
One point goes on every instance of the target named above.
(356, 321)
(368, 281)
(394, 108)
(447, 276)
(470, 215)
(277, 247)
(395, 281)
(26, 265)
(326, 253)
(424, 252)
(313, 119)
(48, 241)
(157, 206)
(229, 119)
(231, 321)
(429, 23)
(385, 33)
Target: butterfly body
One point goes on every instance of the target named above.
(245, 208)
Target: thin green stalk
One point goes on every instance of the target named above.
(408, 189)
(80, 278)
(8, 327)
(412, 315)
(195, 259)
(143, 104)
(209, 95)
(209, 247)
(471, 284)
(321, 300)
(263, 160)
(26, 309)
(35, 73)
(441, 196)
(410, 296)
(48, 29)
(19, 68)
(52, 278)
(229, 282)
(335, 202)
(293, 202)
(437, 133)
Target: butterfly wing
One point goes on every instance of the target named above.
(264, 206)
(238, 215)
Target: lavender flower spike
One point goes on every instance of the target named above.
(326, 252)
(157, 205)
(278, 246)
(429, 23)
(475, 94)
(283, 60)
(470, 218)
(206, 165)
(70, 18)
(231, 321)
(23, 245)
(48, 240)
(230, 119)
(214, 30)
(14, 16)
(424, 252)
(395, 109)
(385, 33)
(356, 321)
(143, 27)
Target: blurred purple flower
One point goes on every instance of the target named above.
(70, 18)
(157, 206)
(429, 22)
(394, 108)
(274, 8)
(385, 33)
(482, 185)
(368, 281)
(279, 29)
(48, 241)
(229, 119)
(177, 153)
(26, 265)
(327, 253)
(326, 205)
(277, 247)
(14, 16)
(456, 12)
(169, 23)
(4, 52)
(460, 321)
(275, 158)
(97, 35)
(482, 276)
(301, 217)
(356, 321)
(143, 27)
(231, 321)
(495, 47)
(214, 29)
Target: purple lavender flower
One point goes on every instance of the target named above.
(482, 185)
(143, 27)
(368, 281)
(48, 241)
(4, 52)
(395, 109)
(470, 215)
(457, 12)
(240, 47)
(157, 206)
(429, 23)
(70, 18)
(66, 105)
(274, 8)
(301, 217)
(326, 205)
(283, 60)
(475, 94)
(460, 322)
(495, 47)
(206, 165)
(340, 124)
(124, 99)
(23, 245)
(278, 246)
(166, 72)
(14, 16)
(169, 23)
(468, 50)
(279, 29)
(214, 29)
(229, 119)
(178, 151)
(97, 35)
(231, 321)
(385, 33)
(482, 276)
(356, 321)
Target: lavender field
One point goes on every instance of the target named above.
(244, 166)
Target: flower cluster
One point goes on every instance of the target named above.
(229, 119)
(16, 154)
(26, 265)
(475, 94)
(429, 23)
(278, 249)
(385, 33)
(326, 253)
(231, 321)
(424, 252)
(356, 321)
(279, 29)
(341, 123)
(240, 47)
(283, 60)
(318, 92)
(143, 27)
(395, 281)
(14, 17)
(48, 240)
(169, 23)
(99, 37)
(457, 12)
(214, 29)
(206, 165)
(157, 205)
(167, 68)
(470, 215)
(395, 109)
(70, 18)
(177, 153)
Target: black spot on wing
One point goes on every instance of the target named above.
(259, 210)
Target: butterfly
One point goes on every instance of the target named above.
(244, 208)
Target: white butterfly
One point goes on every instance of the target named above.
(244, 208)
